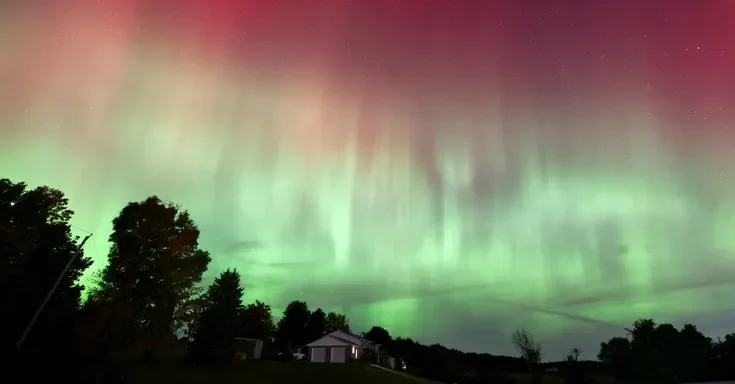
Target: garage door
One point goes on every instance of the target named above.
(318, 355)
(338, 354)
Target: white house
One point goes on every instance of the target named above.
(339, 347)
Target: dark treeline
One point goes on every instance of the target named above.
(151, 290)
(660, 353)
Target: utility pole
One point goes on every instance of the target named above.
(50, 293)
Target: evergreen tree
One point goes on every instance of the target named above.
(220, 322)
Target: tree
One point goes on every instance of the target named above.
(189, 311)
(527, 346)
(292, 326)
(316, 325)
(220, 322)
(574, 354)
(694, 354)
(439, 363)
(35, 245)
(571, 370)
(379, 335)
(529, 349)
(618, 354)
(257, 323)
(723, 356)
(660, 353)
(337, 322)
(643, 348)
(667, 350)
(154, 264)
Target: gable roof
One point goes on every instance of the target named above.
(331, 341)
(339, 338)
(349, 335)
(354, 339)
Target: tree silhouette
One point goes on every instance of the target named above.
(724, 358)
(35, 245)
(220, 322)
(154, 264)
(572, 371)
(379, 335)
(643, 348)
(529, 349)
(661, 353)
(574, 354)
(189, 310)
(439, 363)
(337, 322)
(527, 346)
(316, 325)
(667, 352)
(694, 352)
(257, 323)
(618, 353)
(291, 331)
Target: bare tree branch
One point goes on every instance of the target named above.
(574, 354)
(527, 346)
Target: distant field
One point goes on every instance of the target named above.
(268, 372)
(168, 369)
(556, 379)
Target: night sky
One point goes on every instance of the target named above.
(450, 170)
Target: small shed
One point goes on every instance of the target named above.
(248, 349)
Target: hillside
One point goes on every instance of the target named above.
(268, 372)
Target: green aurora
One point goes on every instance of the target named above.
(375, 194)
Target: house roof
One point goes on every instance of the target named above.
(338, 338)
(351, 334)
(344, 340)
(331, 341)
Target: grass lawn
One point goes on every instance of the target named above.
(550, 378)
(169, 369)
(270, 372)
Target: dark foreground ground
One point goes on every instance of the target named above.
(170, 368)
(269, 372)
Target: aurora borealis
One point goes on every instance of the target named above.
(450, 170)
